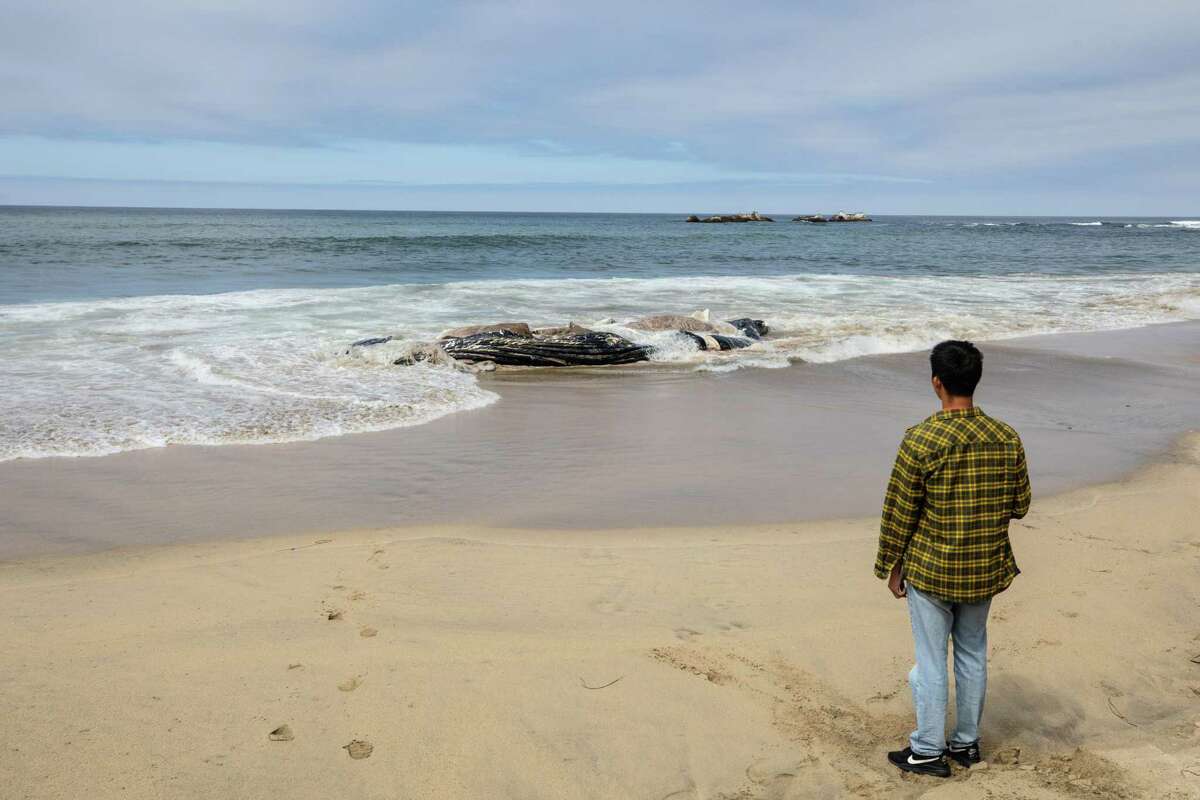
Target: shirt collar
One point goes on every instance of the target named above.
(957, 413)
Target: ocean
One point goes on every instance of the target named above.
(126, 329)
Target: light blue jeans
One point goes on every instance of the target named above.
(933, 623)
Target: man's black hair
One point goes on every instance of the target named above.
(958, 365)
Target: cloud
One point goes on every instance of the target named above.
(368, 161)
(1029, 128)
(781, 91)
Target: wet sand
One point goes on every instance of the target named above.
(629, 448)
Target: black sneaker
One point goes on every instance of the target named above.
(909, 761)
(965, 754)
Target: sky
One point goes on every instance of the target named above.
(1071, 108)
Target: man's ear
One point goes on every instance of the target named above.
(937, 385)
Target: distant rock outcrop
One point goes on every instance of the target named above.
(841, 216)
(753, 216)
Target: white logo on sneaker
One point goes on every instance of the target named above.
(916, 761)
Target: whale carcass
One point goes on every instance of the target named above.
(517, 344)
(717, 341)
(593, 348)
(519, 328)
(690, 323)
(699, 323)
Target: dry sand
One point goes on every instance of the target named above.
(734, 662)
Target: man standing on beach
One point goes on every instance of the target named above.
(959, 477)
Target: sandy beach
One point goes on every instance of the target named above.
(732, 657)
(506, 401)
(717, 662)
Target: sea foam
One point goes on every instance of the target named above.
(105, 376)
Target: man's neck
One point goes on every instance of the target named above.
(954, 403)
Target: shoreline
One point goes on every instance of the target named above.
(730, 660)
(1183, 450)
(592, 449)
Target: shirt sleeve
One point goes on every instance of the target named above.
(1022, 493)
(902, 506)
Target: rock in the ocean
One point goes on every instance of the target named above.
(816, 218)
(751, 217)
(595, 348)
(842, 216)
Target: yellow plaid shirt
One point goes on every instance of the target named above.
(959, 477)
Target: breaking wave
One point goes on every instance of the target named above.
(105, 376)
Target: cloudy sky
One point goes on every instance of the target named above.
(937, 107)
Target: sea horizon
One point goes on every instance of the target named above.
(684, 213)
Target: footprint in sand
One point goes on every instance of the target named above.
(764, 769)
(688, 662)
(732, 626)
(359, 749)
(281, 734)
(686, 633)
(368, 632)
(687, 793)
(350, 684)
(778, 774)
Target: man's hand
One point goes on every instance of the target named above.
(896, 581)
